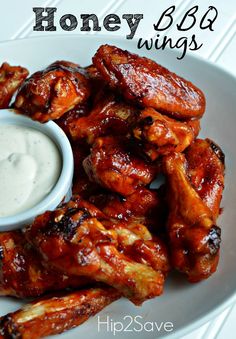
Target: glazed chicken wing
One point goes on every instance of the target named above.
(143, 206)
(134, 238)
(112, 165)
(11, 77)
(22, 273)
(109, 116)
(160, 135)
(56, 314)
(194, 237)
(206, 172)
(128, 215)
(48, 94)
(143, 81)
(139, 204)
(75, 242)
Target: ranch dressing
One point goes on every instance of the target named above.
(30, 165)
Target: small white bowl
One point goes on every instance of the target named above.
(62, 189)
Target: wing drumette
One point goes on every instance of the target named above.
(72, 240)
(22, 273)
(48, 94)
(206, 172)
(160, 135)
(194, 237)
(143, 81)
(56, 314)
(11, 77)
(112, 165)
(135, 240)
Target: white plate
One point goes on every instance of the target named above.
(186, 305)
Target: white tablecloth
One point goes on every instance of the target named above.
(219, 46)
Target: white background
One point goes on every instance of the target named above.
(219, 46)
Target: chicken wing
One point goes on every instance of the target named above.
(22, 273)
(132, 217)
(160, 135)
(143, 81)
(56, 314)
(194, 237)
(206, 172)
(75, 242)
(48, 94)
(11, 77)
(134, 238)
(109, 116)
(112, 165)
(143, 206)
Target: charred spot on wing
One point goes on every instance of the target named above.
(217, 150)
(67, 226)
(214, 239)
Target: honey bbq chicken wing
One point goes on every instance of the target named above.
(194, 237)
(138, 205)
(206, 172)
(72, 240)
(145, 206)
(134, 238)
(160, 135)
(11, 77)
(109, 116)
(112, 165)
(48, 94)
(56, 314)
(22, 273)
(143, 81)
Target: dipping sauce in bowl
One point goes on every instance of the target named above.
(30, 165)
(36, 169)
